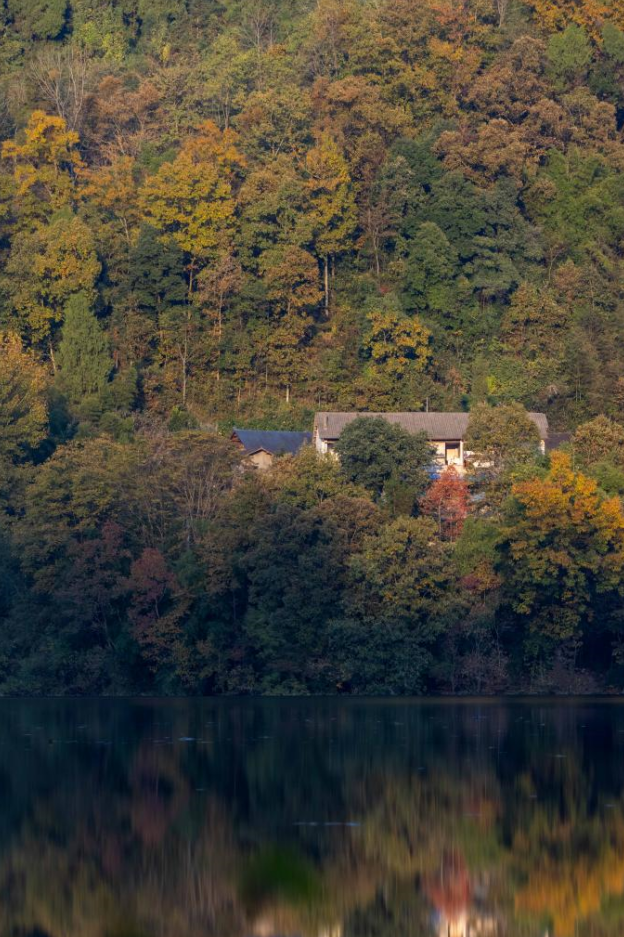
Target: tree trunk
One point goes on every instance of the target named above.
(327, 286)
(184, 360)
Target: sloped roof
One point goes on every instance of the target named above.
(557, 439)
(437, 426)
(276, 442)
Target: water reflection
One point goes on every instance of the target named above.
(315, 819)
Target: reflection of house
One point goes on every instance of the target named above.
(463, 925)
(445, 430)
(456, 912)
(261, 446)
(266, 927)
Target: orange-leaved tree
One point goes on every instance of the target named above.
(590, 14)
(446, 501)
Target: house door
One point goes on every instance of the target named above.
(452, 453)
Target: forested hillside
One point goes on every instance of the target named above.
(240, 212)
(272, 205)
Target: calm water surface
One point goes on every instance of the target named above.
(311, 818)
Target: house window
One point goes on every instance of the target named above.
(452, 454)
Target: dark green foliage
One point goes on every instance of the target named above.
(84, 357)
(156, 278)
(38, 19)
(385, 459)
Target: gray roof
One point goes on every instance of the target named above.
(276, 442)
(557, 439)
(437, 426)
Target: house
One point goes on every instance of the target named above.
(445, 430)
(260, 446)
(555, 440)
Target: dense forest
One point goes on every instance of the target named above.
(237, 213)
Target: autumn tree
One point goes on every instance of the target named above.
(156, 613)
(446, 501)
(498, 441)
(563, 554)
(45, 268)
(331, 214)
(588, 14)
(45, 164)
(23, 406)
(399, 351)
(191, 200)
(291, 278)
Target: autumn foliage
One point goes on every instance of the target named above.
(447, 502)
(239, 214)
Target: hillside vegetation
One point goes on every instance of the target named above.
(241, 212)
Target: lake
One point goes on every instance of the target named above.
(318, 818)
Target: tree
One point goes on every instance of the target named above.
(156, 613)
(84, 358)
(38, 19)
(156, 273)
(23, 406)
(309, 479)
(291, 278)
(45, 166)
(569, 54)
(64, 78)
(499, 440)
(400, 350)
(562, 556)
(191, 200)
(430, 271)
(73, 493)
(331, 213)
(587, 14)
(395, 606)
(45, 268)
(292, 599)
(446, 502)
(386, 460)
(598, 440)
(179, 483)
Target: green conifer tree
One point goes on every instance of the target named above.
(84, 357)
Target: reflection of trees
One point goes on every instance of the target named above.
(456, 816)
(568, 860)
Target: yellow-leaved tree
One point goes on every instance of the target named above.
(590, 14)
(563, 553)
(400, 351)
(46, 266)
(45, 161)
(23, 409)
(331, 215)
(191, 200)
